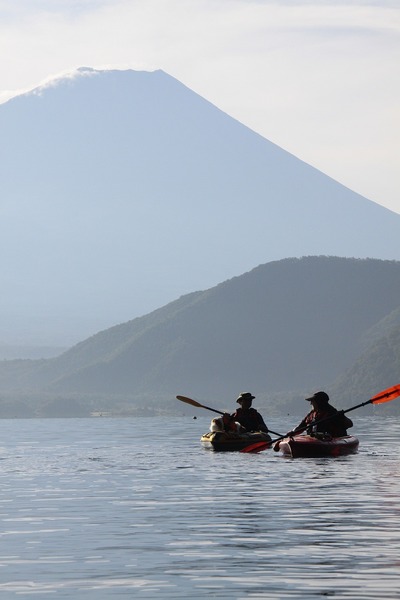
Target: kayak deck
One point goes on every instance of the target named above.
(223, 441)
(308, 446)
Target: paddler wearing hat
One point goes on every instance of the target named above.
(247, 416)
(336, 424)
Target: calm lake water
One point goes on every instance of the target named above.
(135, 508)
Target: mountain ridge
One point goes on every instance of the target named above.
(283, 329)
(128, 188)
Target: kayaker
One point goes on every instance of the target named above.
(336, 424)
(247, 416)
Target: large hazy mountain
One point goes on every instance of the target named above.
(122, 190)
(285, 328)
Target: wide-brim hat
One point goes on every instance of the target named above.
(245, 396)
(321, 397)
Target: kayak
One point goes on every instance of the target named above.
(230, 440)
(310, 446)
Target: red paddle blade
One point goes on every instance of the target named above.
(257, 447)
(387, 395)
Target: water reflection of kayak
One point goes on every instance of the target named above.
(310, 446)
(225, 441)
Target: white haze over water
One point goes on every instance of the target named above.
(320, 79)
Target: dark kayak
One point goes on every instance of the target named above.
(228, 441)
(309, 446)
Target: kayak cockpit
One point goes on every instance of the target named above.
(231, 440)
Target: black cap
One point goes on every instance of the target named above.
(319, 397)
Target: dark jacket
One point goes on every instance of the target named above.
(250, 419)
(336, 425)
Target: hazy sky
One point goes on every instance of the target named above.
(319, 78)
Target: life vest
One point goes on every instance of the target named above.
(335, 425)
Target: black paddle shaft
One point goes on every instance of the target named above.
(325, 419)
(198, 405)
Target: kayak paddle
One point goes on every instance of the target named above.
(385, 396)
(198, 405)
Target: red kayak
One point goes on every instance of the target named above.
(309, 446)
